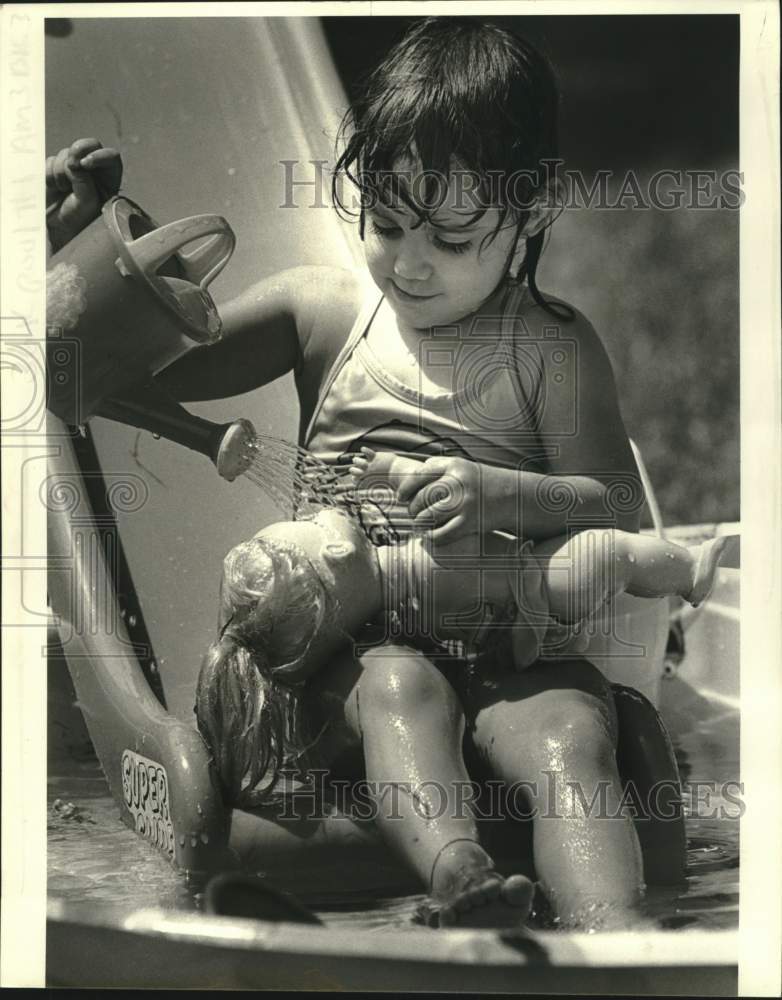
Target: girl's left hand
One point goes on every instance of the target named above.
(446, 495)
(78, 180)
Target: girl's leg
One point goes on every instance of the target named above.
(553, 729)
(585, 570)
(410, 727)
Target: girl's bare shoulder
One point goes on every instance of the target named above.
(572, 331)
(327, 300)
(538, 318)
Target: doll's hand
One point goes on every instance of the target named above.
(446, 495)
(78, 180)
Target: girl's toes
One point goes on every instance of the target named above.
(493, 902)
(488, 891)
(518, 891)
(470, 898)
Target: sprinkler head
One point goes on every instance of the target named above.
(236, 450)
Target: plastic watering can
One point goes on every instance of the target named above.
(125, 298)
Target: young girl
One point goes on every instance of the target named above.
(456, 356)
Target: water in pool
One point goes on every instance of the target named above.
(95, 860)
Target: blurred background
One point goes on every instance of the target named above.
(204, 110)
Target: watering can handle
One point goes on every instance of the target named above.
(203, 264)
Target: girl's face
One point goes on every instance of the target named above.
(437, 272)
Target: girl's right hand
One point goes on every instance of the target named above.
(78, 180)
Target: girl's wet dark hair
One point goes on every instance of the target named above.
(248, 698)
(457, 92)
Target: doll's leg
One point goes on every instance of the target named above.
(552, 729)
(586, 569)
(410, 726)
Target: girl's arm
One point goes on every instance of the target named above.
(295, 316)
(591, 473)
(259, 343)
(590, 477)
(274, 327)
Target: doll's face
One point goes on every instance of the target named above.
(343, 557)
(302, 588)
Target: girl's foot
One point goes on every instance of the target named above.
(491, 901)
(468, 892)
(706, 558)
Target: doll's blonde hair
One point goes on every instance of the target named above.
(248, 699)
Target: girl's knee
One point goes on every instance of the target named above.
(577, 726)
(401, 679)
(582, 734)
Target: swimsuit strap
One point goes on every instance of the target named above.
(365, 316)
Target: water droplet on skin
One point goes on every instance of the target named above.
(336, 549)
(194, 841)
(231, 171)
(204, 838)
(132, 621)
(631, 558)
(671, 555)
(181, 840)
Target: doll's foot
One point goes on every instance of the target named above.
(368, 460)
(706, 558)
(490, 901)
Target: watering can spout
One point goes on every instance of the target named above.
(148, 406)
